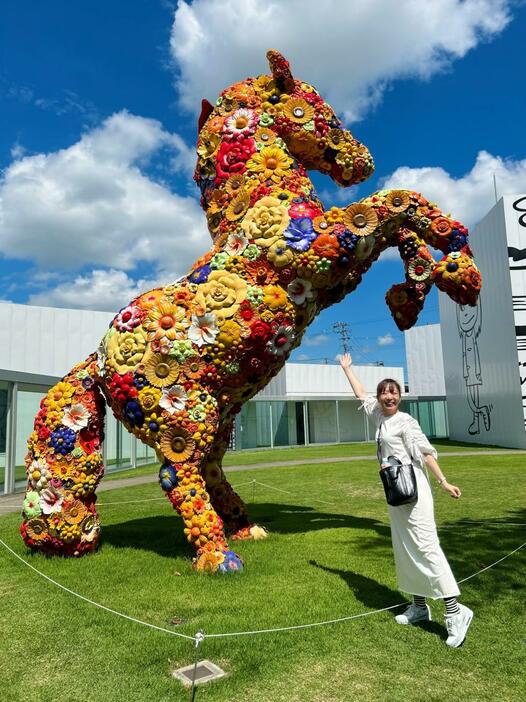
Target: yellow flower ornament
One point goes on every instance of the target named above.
(125, 349)
(221, 294)
(266, 221)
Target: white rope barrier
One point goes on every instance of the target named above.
(95, 604)
(288, 492)
(493, 564)
(131, 502)
(238, 633)
(154, 499)
(469, 522)
(351, 617)
(234, 487)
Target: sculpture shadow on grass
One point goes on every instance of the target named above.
(469, 547)
(160, 534)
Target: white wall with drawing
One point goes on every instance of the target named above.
(484, 348)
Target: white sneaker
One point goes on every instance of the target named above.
(457, 626)
(414, 614)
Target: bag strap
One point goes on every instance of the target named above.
(408, 448)
(378, 444)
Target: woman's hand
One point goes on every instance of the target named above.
(346, 360)
(453, 490)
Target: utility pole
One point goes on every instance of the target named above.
(342, 329)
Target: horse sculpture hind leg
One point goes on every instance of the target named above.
(64, 466)
(227, 503)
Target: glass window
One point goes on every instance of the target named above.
(426, 418)
(323, 427)
(254, 425)
(3, 434)
(118, 445)
(287, 423)
(145, 454)
(430, 414)
(125, 439)
(110, 443)
(27, 406)
(351, 420)
(440, 412)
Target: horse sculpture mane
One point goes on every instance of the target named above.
(178, 362)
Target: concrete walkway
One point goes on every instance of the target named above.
(13, 503)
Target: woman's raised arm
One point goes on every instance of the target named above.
(358, 388)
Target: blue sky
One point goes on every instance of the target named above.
(98, 107)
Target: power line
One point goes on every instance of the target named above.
(342, 329)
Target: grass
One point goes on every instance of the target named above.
(252, 457)
(322, 560)
(295, 453)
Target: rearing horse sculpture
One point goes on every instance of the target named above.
(178, 362)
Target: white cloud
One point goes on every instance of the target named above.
(350, 51)
(470, 197)
(302, 357)
(317, 340)
(386, 340)
(17, 151)
(338, 197)
(98, 290)
(92, 205)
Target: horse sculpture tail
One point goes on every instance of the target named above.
(64, 465)
(408, 220)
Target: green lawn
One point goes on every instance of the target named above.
(295, 453)
(251, 457)
(323, 560)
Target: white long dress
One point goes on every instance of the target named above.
(421, 566)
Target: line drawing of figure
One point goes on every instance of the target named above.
(469, 321)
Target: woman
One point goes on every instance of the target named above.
(421, 567)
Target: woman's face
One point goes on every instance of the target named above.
(389, 399)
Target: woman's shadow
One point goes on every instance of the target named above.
(374, 595)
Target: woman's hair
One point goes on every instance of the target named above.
(388, 384)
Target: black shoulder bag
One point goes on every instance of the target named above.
(398, 479)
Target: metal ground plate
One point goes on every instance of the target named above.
(205, 671)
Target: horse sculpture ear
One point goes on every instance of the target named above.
(206, 111)
(280, 69)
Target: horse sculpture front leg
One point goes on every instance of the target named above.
(186, 488)
(409, 221)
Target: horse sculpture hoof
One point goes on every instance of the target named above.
(250, 533)
(218, 562)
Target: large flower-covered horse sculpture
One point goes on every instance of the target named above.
(178, 362)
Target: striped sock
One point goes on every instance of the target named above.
(419, 601)
(451, 606)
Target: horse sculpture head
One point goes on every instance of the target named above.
(262, 137)
(259, 111)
